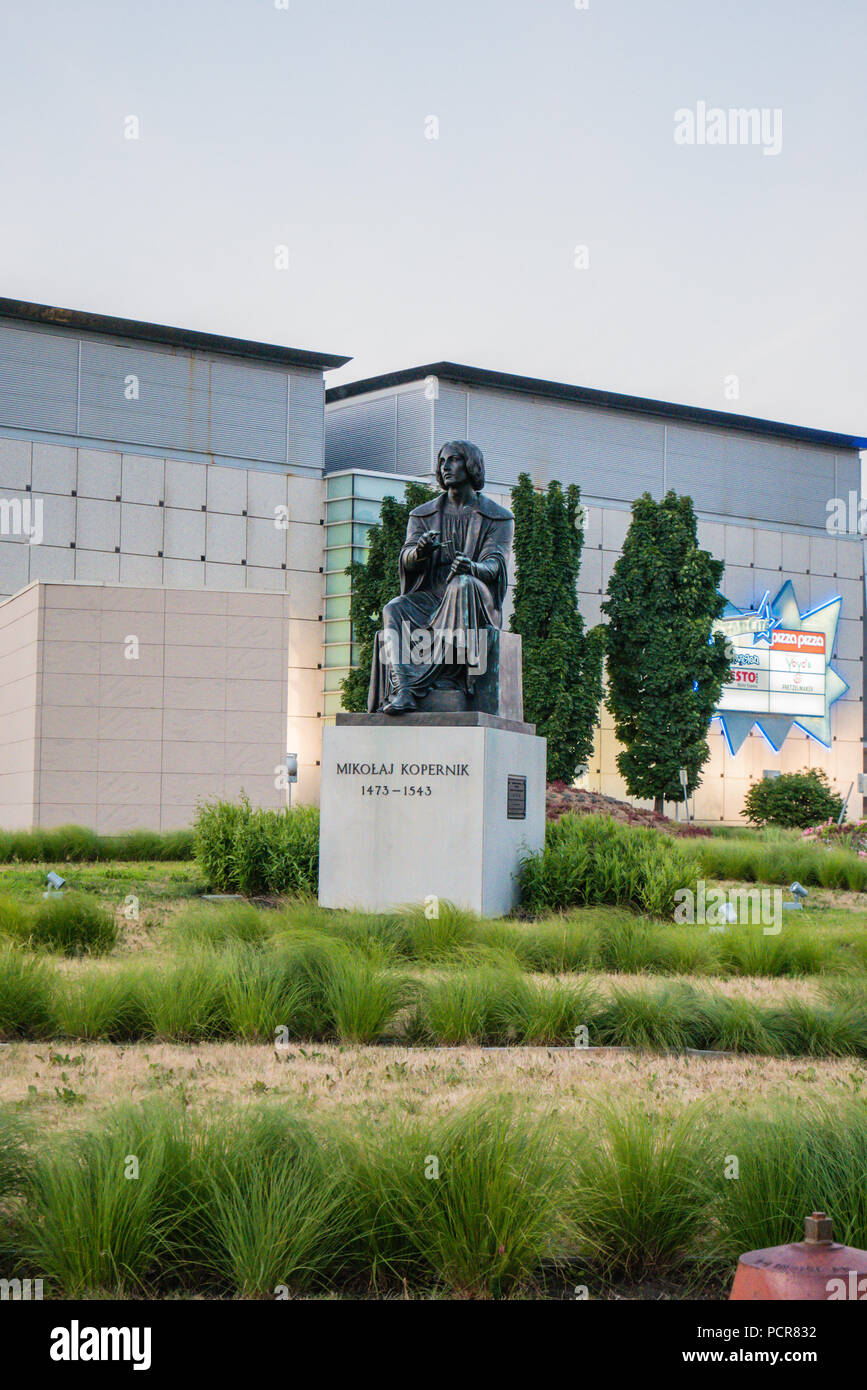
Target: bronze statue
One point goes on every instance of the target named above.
(453, 580)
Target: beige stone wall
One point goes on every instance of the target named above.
(144, 700)
(20, 682)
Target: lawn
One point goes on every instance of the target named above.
(613, 1061)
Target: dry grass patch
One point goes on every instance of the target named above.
(69, 1084)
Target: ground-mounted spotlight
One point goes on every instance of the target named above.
(799, 893)
(55, 882)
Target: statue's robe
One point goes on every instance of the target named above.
(448, 612)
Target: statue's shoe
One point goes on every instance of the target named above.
(401, 703)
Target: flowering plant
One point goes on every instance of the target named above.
(850, 835)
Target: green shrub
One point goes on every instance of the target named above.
(851, 835)
(74, 924)
(595, 859)
(278, 852)
(214, 837)
(249, 851)
(795, 799)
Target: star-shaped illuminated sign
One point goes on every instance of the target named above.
(781, 673)
(765, 615)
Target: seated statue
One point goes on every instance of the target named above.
(453, 580)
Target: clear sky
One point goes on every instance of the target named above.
(304, 124)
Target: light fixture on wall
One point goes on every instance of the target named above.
(291, 775)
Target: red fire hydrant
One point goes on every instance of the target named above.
(816, 1268)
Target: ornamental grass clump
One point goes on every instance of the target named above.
(590, 860)
(219, 925)
(27, 996)
(791, 1160)
(76, 844)
(274, 1215)
(107, 1208)
(74, 924)
(471, 1202)
(643, 1190)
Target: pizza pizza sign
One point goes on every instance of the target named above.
(781, 670)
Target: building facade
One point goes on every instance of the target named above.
(763, 494)
(155, 484)
(177, 511)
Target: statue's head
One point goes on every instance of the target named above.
(460, 451)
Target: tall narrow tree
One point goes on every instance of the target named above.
(373, 582)
(562, 663)
(665, 666)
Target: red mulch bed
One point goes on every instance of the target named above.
(559, 799)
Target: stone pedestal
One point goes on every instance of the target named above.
(426, 806)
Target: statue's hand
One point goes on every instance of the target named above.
(427, 541)
(462, 564)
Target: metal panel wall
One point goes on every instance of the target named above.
(182, 400)
(361, 435)
(131, 394)
(608, 453)
(450, 413)
(612, 455)
(746, 476)
(38, 380)
(848, 474)
(414, 433)
(306, 419)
